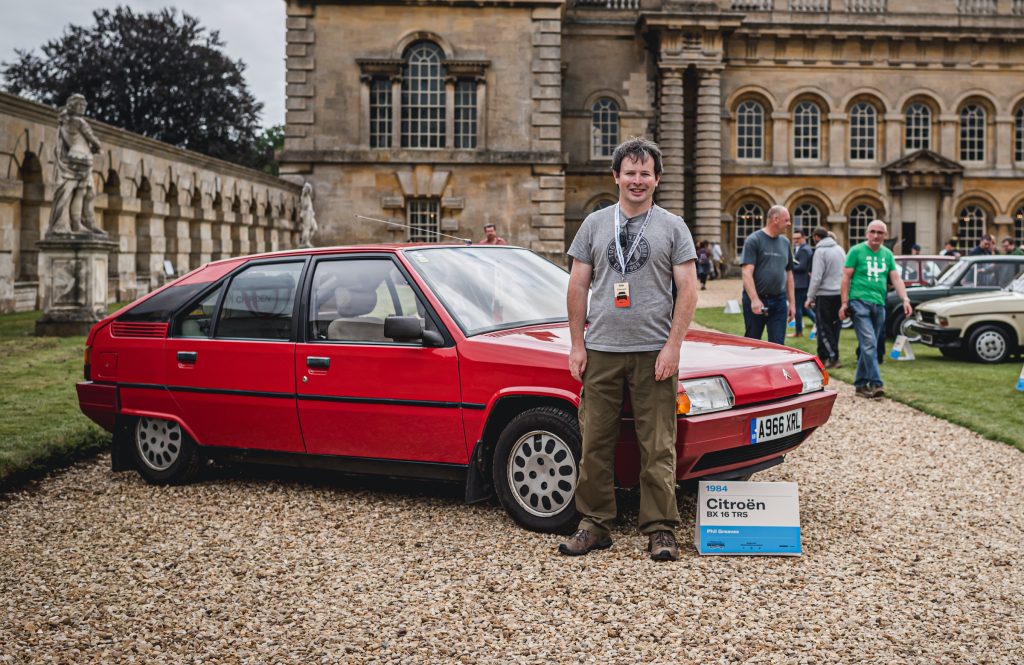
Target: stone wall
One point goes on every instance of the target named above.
(157, 202)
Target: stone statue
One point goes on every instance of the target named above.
(307, 218)
(72, 212)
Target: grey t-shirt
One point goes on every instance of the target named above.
(645, 324)
(771, 259)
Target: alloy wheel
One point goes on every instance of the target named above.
(990, 346)
(158, 442)
(542, 473)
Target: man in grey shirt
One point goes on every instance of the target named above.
(630, 255)
(767, 270)
(823, 294)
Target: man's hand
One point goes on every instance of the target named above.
(756, 306)
(908, 309)
(577, 362)
(809, 304)
(667, 363)
(791, 311)
(842, 311)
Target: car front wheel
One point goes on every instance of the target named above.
(536, 467)
(989, 344)
(164, 454)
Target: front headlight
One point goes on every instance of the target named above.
(942, 321)
(706, 395)
(811, 376)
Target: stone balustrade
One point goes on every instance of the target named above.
(976, 6)
(169, 210)
(865, 6)
(609, 4)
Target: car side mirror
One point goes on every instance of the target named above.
(410, 328)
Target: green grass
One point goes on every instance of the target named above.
(982, 398)
(41, 426)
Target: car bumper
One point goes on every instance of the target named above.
(98, 401)
(719, 442)
(940, 338)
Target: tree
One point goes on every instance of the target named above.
(156, 74)
(270, 140)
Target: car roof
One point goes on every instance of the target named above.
(1008, 258)
(390, 248)
(940, 257)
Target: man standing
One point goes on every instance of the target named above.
(823, 294)
(767, 269)
(950, 249)
(1010, 246)
(631, 255)
(986, 246)
(802, 257)
(491, 236)
(863, 293)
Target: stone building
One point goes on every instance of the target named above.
(169, 210)
(445, 116)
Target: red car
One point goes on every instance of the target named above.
(412, 361)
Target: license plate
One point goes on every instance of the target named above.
(926, 339)
(767, 428)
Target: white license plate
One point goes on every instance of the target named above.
(926, 339)
(776, 426)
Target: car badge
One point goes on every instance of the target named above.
(785, 373)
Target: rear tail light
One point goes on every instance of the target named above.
(87, 356)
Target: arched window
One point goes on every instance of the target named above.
(604, 128)
(860, 216)
(1018, 226)
(1018, 135)
(918, 127)
(601, 204)
(806, 217)
(423, 97)
(750, 130)
(972, 133)
(863, 131)
(806, 131)
(749, 218)
(970, 226)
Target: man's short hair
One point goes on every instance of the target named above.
(951, 242)
(775, 211)
(490, 226)
(638, 149)
(820, 232)
(1010, 240)
(989, 237)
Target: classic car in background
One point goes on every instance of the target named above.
(412, 361)
(969, 274)
(921, 269)
(984, 327)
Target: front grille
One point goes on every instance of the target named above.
(927, 317)
(749, 452)
(126, 329)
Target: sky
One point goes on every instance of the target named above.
(253, 31)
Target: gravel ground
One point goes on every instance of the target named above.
(912, 532)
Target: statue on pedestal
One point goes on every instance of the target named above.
(307, 218)
(72, 212)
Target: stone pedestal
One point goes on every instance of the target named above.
(73, 270)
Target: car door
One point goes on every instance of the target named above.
(230, 360)
(361, 394)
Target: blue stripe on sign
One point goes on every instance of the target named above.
(750, 540)
(753, 431)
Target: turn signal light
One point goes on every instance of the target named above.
(682, 403)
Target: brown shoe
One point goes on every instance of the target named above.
(877, 390)
(662, 546)
(865, 391)
(582, 542)
(833, 364)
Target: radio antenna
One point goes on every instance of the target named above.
(468, 241)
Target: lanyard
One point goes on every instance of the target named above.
(624, 260)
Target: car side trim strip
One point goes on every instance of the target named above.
(320, 398)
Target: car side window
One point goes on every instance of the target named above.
(931, 271)
(351, 298)
(970, 276)
(1004, 273)
(259, 302)
(910, 271)
(198, 322)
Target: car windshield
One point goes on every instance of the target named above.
(493, 288)
(950, 275)
(1017, 285)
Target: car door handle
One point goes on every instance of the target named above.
(317, 362)
(187, 357)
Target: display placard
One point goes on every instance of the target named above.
(742, 517)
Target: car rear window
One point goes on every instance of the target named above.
(161, 306)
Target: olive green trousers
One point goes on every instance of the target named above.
(654, 412)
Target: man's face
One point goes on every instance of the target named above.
(986, 244)
(798, 238)
(779, 223)
(490, 232)
(1007, 247)
(637, 181)
(876, 235)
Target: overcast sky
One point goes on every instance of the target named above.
(253, 32)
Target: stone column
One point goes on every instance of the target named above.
(670, 140)
(893, 137)
(11, 192)
(449, 112)
(948, 144)
(481, 113)
(837, 143)
(781, 139)
(709, 156)
(151, 246)
(947, 224)
(1004, 142)
(74, 271)
(396, 112)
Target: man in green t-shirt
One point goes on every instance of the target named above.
(863, 295)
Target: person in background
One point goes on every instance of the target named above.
(986, 246)
(703, 264)
(716, 260)
(491, 236)
(915, 249)
(1010, 246)
(863, 292)
(767, 270)
(950, 249)
(802, 257)
(823, 294)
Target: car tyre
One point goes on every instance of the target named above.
(164, 454)
(908, 332)
(989, 344)
(535, 469)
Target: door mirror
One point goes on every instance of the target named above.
(410, 328)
